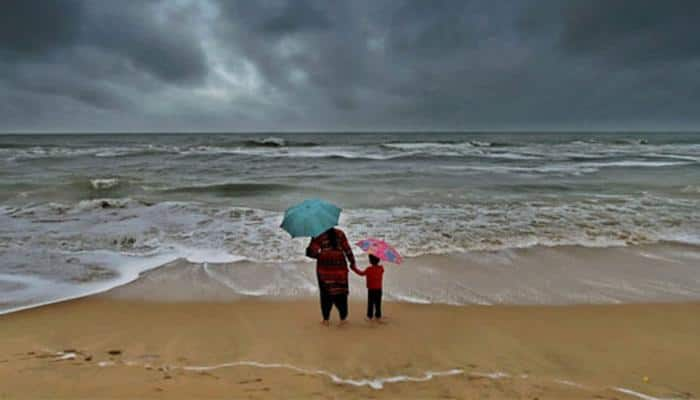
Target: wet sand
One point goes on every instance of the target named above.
(541, 275)
(275, 349)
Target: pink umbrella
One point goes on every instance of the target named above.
(380, 249)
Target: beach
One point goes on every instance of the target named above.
(536, 266)
(480, 218)
(272, 349)
(505, 195)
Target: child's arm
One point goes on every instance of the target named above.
(358, 271)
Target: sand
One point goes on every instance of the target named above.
(274, 349)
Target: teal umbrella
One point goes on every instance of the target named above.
(311, 218)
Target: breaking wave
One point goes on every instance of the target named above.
(104, 183)
(627, 152)
(74, 209)
(233, 189)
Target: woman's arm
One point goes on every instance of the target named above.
(347, 250)
(313, 250)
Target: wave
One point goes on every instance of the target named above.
(269, 141)
(129, 269)
(22, 145)
(39, 152)
(431, 146)
(32, 291)
(232, 189)
(636, 141)
(135, 152)
(605, 141)
(104, 183)
(311, 152)
(58, 152)
(673, 156)
(423, 230)
(93, 188)
(273, 142)
(445, 143)
(94, 245)
(288, 147)
(586, 167)
(473, 149)
(635, 163)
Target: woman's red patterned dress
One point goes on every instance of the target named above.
(331, 264)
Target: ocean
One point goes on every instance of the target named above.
(487, 218)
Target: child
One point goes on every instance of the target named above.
(374, 274)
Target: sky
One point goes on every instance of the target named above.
(360, 65)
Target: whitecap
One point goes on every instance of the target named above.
(104, 183)
(636, 163)
(276, 141)
(206, 256)
(410, 299)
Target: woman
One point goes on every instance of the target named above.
(330, 249)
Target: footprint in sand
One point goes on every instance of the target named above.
(243, 382)
(265, 389)
(209, 374)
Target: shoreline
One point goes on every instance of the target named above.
(277, 349)
(560, 275)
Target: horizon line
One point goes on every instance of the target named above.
(388, 131)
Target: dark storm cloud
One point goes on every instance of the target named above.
(36, 27)
(295, 17)
(92, 52)
(313, 64)
(352, 58)
(165, 49)
(128, 28)
(625, 31)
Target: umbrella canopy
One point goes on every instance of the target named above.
(380, 249)
(310, 218)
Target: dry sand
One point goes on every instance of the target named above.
(498, 352)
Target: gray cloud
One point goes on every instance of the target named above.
(295, 17)
(166, 49)
(30, 28)
(630, 32)
(95, 52)
(313, 64)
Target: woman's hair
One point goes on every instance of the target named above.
(374, 260)
(332, 237)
